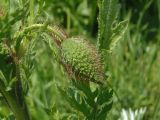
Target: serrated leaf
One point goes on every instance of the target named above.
(118, 33)
(103, 113)
(85, 89)
(104, 96)
(108, 11)
(104, 101)
(71, 96)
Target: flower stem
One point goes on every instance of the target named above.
(15, 98)
(17, 110)
(53, 30)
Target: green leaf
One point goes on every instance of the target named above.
(105, 95)
(118, 33)
(2, 77)
(108, 11)
(105, 102)
(75, 99)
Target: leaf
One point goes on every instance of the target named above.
(71, 96)
(79, 105)
(118, 33)
(108, 11)
(103, 113)
(105, 95)
(104, 102)
(12, 17)
(2, 77)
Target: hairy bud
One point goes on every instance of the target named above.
(82, 59)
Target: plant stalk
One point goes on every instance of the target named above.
(15, 98)
(54, 30)
(12, 103)
(19, 92)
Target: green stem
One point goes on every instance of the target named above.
(19, 92)
(31, 11)
(15, 98)
(14, 106)
(19, 104)
(54, 30)
(68, 20)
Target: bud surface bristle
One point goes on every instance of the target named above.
(83, 58)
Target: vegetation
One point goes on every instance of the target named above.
(83, 59)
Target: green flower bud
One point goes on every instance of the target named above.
(82, 59)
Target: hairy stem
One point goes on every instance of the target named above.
(19, 92)
(44, 27)
(12, 103)
(15, 98)
(20, 104)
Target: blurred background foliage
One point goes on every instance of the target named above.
(134, 65)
